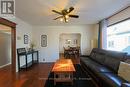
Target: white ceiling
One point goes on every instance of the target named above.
(39, 12)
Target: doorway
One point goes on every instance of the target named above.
(5, 45)
(8, 31)
(69, 40)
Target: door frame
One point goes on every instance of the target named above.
(12, 25)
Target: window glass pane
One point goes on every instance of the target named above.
(118, 37)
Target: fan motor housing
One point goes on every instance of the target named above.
(64, 12)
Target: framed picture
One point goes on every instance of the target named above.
(68, 41)
(25, 39)
(75, 41)
(43, 40)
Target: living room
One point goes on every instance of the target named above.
(102, 25)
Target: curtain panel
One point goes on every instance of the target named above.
(102, 34)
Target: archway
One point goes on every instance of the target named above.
(67, 40)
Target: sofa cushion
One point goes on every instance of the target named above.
(112, 79)
(94, 66)
(92, 54)
(128, 59)
(120, 55)
(100, 57)
(125, 85)
(113, 58)
(112, 63)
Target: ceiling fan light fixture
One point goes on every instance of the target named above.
(68, 10)
(67, 20)
(67, 16)
(61, 19)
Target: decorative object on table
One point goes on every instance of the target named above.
(25, 39)
(32, 45)
(43, 40)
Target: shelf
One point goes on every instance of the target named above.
(28, 65)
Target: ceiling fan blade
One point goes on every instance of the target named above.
(74, 16)
(71, 9)
(57, 12)
(58, 17)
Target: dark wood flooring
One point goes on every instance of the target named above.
(75, 60)
(35, 76)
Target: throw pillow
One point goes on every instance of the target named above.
(124, 71)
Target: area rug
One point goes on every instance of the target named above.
(81, 79)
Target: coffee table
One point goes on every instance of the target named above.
(63, 71)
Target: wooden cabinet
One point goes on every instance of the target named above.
(22, 52)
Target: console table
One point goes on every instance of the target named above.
(22, 52)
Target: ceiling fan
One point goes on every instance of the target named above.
(65, 14)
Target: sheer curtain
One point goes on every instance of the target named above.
(102, 34)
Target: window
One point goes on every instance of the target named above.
(118, 37)
(111, 44)
(129, 40)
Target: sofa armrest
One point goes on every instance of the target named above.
(125, 85)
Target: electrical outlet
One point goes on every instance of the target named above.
(43, 59)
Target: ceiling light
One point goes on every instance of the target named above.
(61, 19)
(66, 16)
(67, 20)
(68, 10)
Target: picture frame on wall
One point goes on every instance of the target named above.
(43, 40)
(75, 41)
(25, 39)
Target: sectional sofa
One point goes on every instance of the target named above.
(103, 66)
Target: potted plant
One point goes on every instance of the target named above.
(32, 45)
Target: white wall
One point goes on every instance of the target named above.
(21, 29)
(51, 52)
(71, 36)
(94, 41)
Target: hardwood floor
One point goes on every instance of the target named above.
(75, 60)
(35, 76)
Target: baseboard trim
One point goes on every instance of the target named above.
(46, 62)
(5, 65)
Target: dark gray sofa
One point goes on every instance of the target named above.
(103, 66)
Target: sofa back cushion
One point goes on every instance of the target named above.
(112, 63)
(120, 55)
(98, 55)
(92, 54)
(113, 58)
(127, 59)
